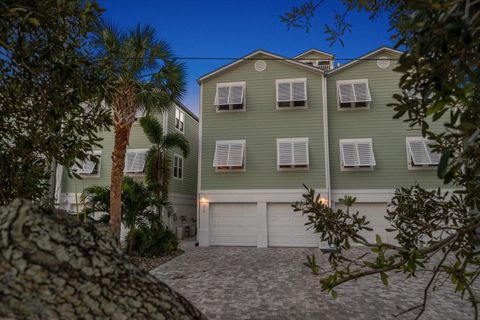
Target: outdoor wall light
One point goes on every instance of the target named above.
(203, 203)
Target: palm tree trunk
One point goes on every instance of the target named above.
(118, 163)
(124, 109)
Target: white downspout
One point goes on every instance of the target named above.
(199, 171)
(325, 142)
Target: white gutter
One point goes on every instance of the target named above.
(325, 142)
(199, 170)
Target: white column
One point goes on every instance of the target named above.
(204, 222)
(262, 232)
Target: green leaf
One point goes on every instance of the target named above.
(378, 239)
(384, 278)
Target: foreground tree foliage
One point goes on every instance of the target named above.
(51, 88)
(142, 73)
(435, 231)
(54, 267)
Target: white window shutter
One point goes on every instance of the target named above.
(235, 156)
(353, 91)
(346, 93)
(421, 153)
(350, 155)
(362, 94)
(135, 161)
(221, 97)
(285, 154)
(182, 117)
(283, 91)
(229, 154)
(299, 91)
(236, 95)
(300, 153)
(292, 152)
(365, 154)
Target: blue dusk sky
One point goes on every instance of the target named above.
(231, 28)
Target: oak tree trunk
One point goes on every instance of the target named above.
(52, 266)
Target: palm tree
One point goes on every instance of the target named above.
(142, 71)
(158, 162)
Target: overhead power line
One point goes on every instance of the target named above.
(263, 58)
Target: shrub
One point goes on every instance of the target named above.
(152, 240)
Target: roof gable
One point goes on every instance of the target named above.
(252, 56)
(366, 56)
(314, 51)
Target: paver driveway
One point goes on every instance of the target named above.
(272, 283)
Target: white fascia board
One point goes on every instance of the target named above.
(366, 56)
(268, 54)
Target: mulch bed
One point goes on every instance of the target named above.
(151, 263)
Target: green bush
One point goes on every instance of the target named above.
(152, 240)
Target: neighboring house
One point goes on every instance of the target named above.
(269, 124)
(183, 183)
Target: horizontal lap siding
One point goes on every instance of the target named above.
(190, 167)
(261, 125)
(388, 134)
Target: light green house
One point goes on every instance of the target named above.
(269, 124)
(183, 183)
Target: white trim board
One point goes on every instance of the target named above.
(260, 52)
(366, 56)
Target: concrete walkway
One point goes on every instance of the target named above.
(272, 283)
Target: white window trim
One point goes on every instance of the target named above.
(136, 173)
(97, 175)
(352, 82)
(244, 155)
(362, 140)
(410, 164)
(230, 84)
(180, 113)
(278, 81)
(175, 155)
(280, 140)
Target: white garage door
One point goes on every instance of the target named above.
(375, 213)
(287, 228)
(233, 224)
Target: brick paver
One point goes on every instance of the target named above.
(272, 283)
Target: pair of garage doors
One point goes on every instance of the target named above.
(237, 224)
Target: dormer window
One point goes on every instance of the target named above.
(230, 96)
(353, 94)
(420, 154)
(291, 93)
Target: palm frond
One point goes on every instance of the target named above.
(176, 140)
(153, 129)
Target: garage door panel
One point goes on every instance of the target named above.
(287, 228)
(233, 224)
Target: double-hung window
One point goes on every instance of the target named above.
(179, 120)
(291, 93)
(356, 154)
(177, 166)
(353, 94)
(292, 153)
(90, 167)
(229, 155)
(230, 96)
(135, 161)
(420, 154)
